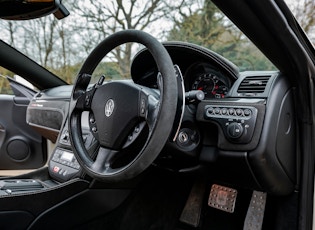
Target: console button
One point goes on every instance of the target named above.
(210, 111)
(224, 111)
(217, 111)
(231, 111)
(56, 169)
(247, 112)
(239, 112)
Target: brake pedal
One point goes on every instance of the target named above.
(222, 198)
(192, 211)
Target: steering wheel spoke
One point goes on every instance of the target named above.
(104, 160)
(83, 102)
(132, 137)
(81, 98)
(150, 100)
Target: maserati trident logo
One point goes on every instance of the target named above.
(109, 107)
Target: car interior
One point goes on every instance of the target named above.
(189, 142)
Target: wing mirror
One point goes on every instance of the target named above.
(30, 9)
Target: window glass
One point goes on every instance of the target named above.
(5, 87)
(304, 14)
(4, 83)
(62, 46)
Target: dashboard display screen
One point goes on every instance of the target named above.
(67, 156)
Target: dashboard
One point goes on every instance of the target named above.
(234, 132)
(202, 69)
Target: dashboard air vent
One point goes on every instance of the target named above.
(253, 84)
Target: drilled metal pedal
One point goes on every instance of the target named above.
(222, 198)
(255, 213)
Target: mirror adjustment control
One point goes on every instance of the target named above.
(234, 130)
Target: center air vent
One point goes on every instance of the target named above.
(253, 84)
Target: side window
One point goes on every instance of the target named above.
(5, 87)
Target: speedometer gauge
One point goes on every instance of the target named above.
(211, 85)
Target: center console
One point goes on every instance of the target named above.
(63, 164)
(17, 186)
(43, 198)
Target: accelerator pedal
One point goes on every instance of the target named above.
(192, 211)
(222, 198)
(255, 213)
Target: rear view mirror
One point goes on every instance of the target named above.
(29, 9)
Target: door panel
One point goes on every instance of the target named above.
(20, 146)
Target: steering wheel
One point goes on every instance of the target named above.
(122, 113)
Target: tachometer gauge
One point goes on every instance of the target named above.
(204, 82)
(211, 85)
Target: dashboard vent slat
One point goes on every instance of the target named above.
(253, 84)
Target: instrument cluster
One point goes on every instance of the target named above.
(206, 78)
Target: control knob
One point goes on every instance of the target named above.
(235, 130)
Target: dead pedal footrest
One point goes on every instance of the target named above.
(222, 198)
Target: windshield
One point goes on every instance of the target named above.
(62, 46)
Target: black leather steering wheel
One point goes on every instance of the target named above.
(123, 114)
